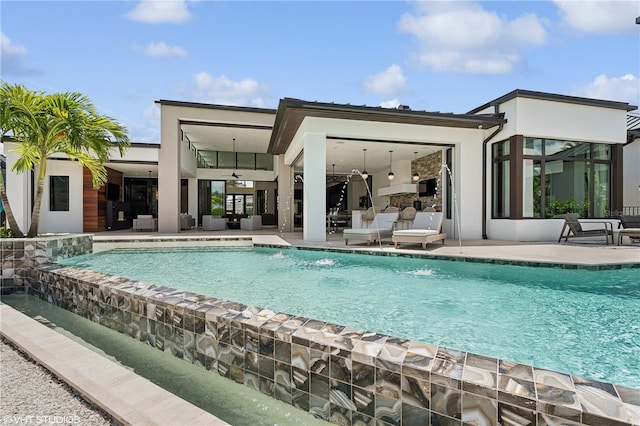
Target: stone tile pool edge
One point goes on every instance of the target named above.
(333, 371)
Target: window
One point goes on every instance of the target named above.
(553, 177)
(59, 193)
(239, 204)
(501, 179)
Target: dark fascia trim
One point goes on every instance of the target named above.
(144, 145)
(299, 103)
(8, 138)
(519, 93)
(215, 106)
(116, 161)
(486, 120)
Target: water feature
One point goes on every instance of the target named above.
(575, 321)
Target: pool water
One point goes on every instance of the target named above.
(579, 322)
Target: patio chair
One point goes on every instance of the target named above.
(213, 223)
(251, 223)
(573, 228)
(426, 228)
(407, 216)
(629, 226)
(187, 221)
(381, 227)
(145, 222)
(368, 216)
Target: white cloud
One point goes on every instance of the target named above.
(387, 83)
(463, 37)
(392, 103)
(160, 12)
(600, 17)
(12, 57)
(222, 90)
(622, 89)
(162, 50)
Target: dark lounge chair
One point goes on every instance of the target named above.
(629, 227)
(573, 229)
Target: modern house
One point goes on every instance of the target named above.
(505, 170)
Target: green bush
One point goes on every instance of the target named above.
(5, 232)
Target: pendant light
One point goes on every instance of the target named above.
(364, 173)
(390, 176)
(416, 176)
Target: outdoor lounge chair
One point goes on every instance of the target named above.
(629, 227)
(426, 228)
(574, 229)
(381, 227)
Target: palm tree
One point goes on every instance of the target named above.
(47, 124)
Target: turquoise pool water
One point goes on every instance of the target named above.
(580, 322)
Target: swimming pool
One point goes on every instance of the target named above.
(575, 321)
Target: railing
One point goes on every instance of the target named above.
(631, 210)
(626, 211)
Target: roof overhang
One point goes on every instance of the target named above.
(519, 93)
(292, 112)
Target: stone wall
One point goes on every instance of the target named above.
(427, 167)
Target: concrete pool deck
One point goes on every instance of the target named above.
(574, 253)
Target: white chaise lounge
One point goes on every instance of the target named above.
(381, 227)
(426, 228)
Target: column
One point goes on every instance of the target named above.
(315, 187)
(169, 172)
(285, 196)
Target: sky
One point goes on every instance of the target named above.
(447, 56)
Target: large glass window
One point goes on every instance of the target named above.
(501, 179)
(217, 197)
(556, 177)
(239, 204)
(566, 188)
(531, 188)
(59, 193)
(241, 160)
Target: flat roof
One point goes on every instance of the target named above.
(291, 112)
(215, 106)
(519, 93)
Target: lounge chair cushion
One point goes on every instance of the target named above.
(426, 228)
(415, 232)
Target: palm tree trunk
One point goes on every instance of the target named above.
(35, 216)
(11, 220)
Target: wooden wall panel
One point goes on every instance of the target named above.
(94, 201)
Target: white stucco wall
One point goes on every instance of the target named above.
(631, 170)
(560, 120)
(16, 186)
(66, 221)
(20, 197)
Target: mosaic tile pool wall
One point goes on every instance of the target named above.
(338, 373)
(19, 255)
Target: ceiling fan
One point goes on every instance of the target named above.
(234, 174)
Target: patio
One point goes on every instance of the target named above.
(574, 253)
